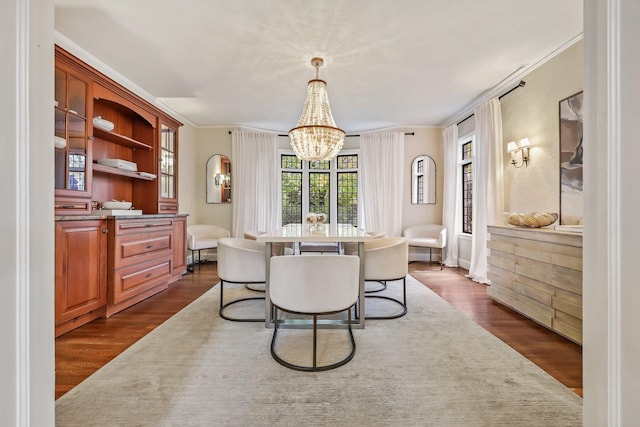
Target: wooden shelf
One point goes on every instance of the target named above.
(115, 171)
(119, 139)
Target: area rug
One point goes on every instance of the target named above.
(433, 367)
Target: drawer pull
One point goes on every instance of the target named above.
(149, 246)
(68, 207)
(148, 275)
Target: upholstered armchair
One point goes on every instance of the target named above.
(202, 237)
(431, 236)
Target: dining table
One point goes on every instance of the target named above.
(315, 233)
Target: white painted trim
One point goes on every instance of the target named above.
(508, 82)
(464, 263)
(22, 330)
(613, 206)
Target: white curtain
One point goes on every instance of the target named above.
(255, 195)
(382, 174)
(451, 200)
(488, 187)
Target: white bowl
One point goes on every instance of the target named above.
(114, 204)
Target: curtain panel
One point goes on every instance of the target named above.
(451, 200)
(488, 186)
(255, 195)
(382, 181)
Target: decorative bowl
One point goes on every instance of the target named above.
(531, 219)
(114, 204)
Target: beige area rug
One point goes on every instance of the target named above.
(433, 367)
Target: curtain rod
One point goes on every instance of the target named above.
(521, 84)
(406, 133)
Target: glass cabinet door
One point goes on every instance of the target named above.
(168, 182)
(70, 132)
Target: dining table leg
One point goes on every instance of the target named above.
(268, 310)
(361, 315)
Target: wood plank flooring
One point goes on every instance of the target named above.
(83, 351)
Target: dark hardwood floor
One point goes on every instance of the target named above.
(83, 351)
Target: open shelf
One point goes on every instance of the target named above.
(115, 171)
(116, 138)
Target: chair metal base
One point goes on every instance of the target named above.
(314, 367)
(383, 287)
(402, 303)
(193, 259)
(224, 305)
(431, 257)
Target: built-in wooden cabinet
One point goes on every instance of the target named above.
(98, 275)
(141, 134)
(81, 267)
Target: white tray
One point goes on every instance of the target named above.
(116, 212)
(119, 163)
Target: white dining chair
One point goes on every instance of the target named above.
(240, 261)
(315, 285)
(386, 260)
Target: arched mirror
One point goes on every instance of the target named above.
(218, 179)
(423, 181)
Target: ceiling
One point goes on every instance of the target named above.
(388, 63)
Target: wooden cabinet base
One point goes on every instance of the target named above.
(106, 266)
(71, 324)
(117, 307)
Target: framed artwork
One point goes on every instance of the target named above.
(571, 150)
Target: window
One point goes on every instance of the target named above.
(467, 185)
(329, 187)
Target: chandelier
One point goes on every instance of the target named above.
(316, 136)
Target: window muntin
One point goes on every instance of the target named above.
(347, 189)
(318, 190)
(329, 187)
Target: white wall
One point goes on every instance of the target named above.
(187, 173)
(532, 112)
(208, 142)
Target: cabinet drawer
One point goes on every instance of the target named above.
(131, 249)
(131, 281)
(135, 226)
(72, 206)
(168, 208)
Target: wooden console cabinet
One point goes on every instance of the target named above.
(538, 272)
(104, 263)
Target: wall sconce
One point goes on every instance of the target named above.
(521, 147)
(219, 179)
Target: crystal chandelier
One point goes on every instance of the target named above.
(316, 136)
